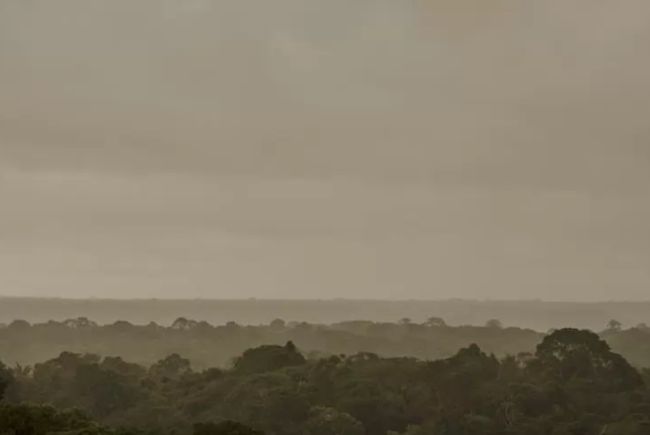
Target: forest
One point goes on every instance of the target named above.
(207, 345)
(570, 383)
(539, 315)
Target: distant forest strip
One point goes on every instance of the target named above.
(206, 345)
(533, 314)
(572, 384)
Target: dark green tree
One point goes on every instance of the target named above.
(572, 355)
(330, 421)
(268, 358)
(6, 378)
(227, 427)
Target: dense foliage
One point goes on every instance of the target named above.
(573, 384)
(206, 345)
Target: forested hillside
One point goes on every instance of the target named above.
(573, 384)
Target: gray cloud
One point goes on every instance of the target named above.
(425, 148)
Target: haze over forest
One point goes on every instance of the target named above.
(324, 217)
(417, 149)
(537, 315)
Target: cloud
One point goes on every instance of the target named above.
(360, 146)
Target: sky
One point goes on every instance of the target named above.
(385, 149)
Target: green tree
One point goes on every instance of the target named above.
(614, 325)
(172, 367)
(227, 427)
(6, 378)
(580, 355)
(494, 324)
(436, 322)
(330, 421)
(27, 419)
(268, 358)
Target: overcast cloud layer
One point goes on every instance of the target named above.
(325, 148)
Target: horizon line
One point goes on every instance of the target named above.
(333, 299)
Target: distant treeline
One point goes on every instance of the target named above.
(537, 315)
(572, 384)
(207, 345)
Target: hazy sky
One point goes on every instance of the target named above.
(325, 148)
